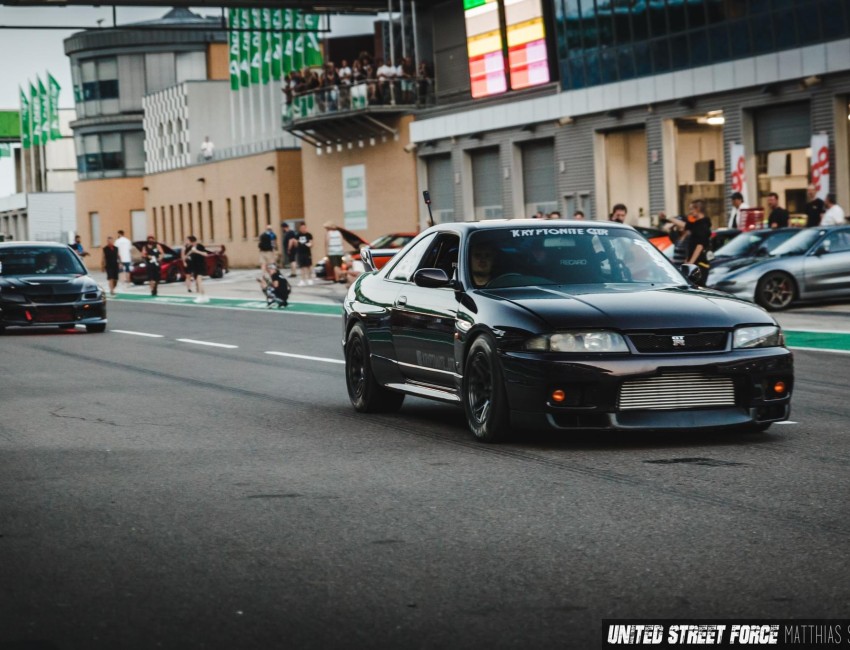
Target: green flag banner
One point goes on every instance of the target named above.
(298, 48)
(5, 150)
(288, 41)
(277, 44)
(44, 97)
(54, 89)
(245, 48)
(312, 49)
(266, 46)
(26, 125)
(234, 49)
(35, 115)
(256, 50)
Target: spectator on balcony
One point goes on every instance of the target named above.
(423, 76)
(345, 76)
(359, 88)
(372, 82)
(330, 88)
(407, 73)
(385, 74)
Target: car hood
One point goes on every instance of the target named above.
(632, 309)
(729, 264)
(48, 285)
(352, 239)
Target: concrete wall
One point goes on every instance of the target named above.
(113, 199)
(226, 186)
(391, 197)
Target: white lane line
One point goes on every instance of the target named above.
(304, 356)
(213, 345)
(153, 336)
(830, 350)
(787, 422)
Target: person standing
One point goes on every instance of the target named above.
(152, 253)
(125, 257)
(110, 264)
(184, 255)
(207, 149)
(834, 215)
(303, 255)
(290, 242)
(78, 246)
(698, 232)
(196, 255)
(267, 246)
(735, 216)
(579, 215)
(814, 207)
(778, 216)
(333, 245)
(619, 213)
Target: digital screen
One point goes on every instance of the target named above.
(527, 58)
(485, 47)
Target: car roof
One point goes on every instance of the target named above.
(494, 224)
(40, 244)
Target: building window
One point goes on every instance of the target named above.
(268, 204)
(200, 221)
(229, 221)
(210, 215)
(256, 216)
(94, 228)
(244, 219)
(191, 222)
(182, 229)
(173, 229)
(155, 231)
(162, 216)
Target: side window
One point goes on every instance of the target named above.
(409, 262)
(838, 242)
(443, 255)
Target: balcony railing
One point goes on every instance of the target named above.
(404, 94)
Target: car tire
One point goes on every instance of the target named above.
(776, 291)
(365, 393)
(218, 272)
(97, 328)
(173, 275)
(138, 283)
(485, 402)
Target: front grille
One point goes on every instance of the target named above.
(678, 391)
(675, 341)
(52, 314)
(50, 298)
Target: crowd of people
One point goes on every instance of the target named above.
(365, 82)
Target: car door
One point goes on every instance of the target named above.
(827, 268)
(424, 318)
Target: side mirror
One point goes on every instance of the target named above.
(431, 278)
(823, 249)
(762, 251)
(691, 272)
(366, 258)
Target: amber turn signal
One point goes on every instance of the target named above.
(779, 387)
(558, 395)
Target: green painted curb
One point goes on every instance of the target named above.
(235, 303)
(819, 340)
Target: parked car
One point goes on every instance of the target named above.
(722, 236)
(171, 267)
(562, 327)
(383, 248)
(812, 265)
(752, 243)
(47, 284)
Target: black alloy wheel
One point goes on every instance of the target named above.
(776, 291)
(173, 275)
(365, 393)
(218, 272)
(484, 400)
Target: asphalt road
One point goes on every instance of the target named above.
(163, 493)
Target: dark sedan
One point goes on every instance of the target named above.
(47, 284)
(567, 326)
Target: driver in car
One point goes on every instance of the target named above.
(482, 257)
(49, 264)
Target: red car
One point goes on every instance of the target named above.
(171, 267)
(383, 248)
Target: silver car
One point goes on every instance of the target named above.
(813, 265)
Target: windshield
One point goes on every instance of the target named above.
(37, 260)
(748, 244)
(391, 241)
(799, 243)
(522, 257)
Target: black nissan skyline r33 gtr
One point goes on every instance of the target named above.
(565, 325)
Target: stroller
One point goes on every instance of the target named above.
(275, 297)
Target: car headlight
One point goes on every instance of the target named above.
(758, 336)
(600, 341)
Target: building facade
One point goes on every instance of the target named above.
(643, 104)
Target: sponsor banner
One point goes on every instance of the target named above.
(266, 46)
(54, 88)
(35, 115)
(739, 169)
(245, 48)
(277, 44)
(354, 197)
(820, 164)
(256, 46)
(234, 49)
(732, 633)
(26, 126)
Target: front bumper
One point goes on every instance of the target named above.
(592, 387)
(34, 314)
(743, 290)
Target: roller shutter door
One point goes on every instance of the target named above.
(486, 184)
(441, 187)
(538, 177)
(783, 127)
